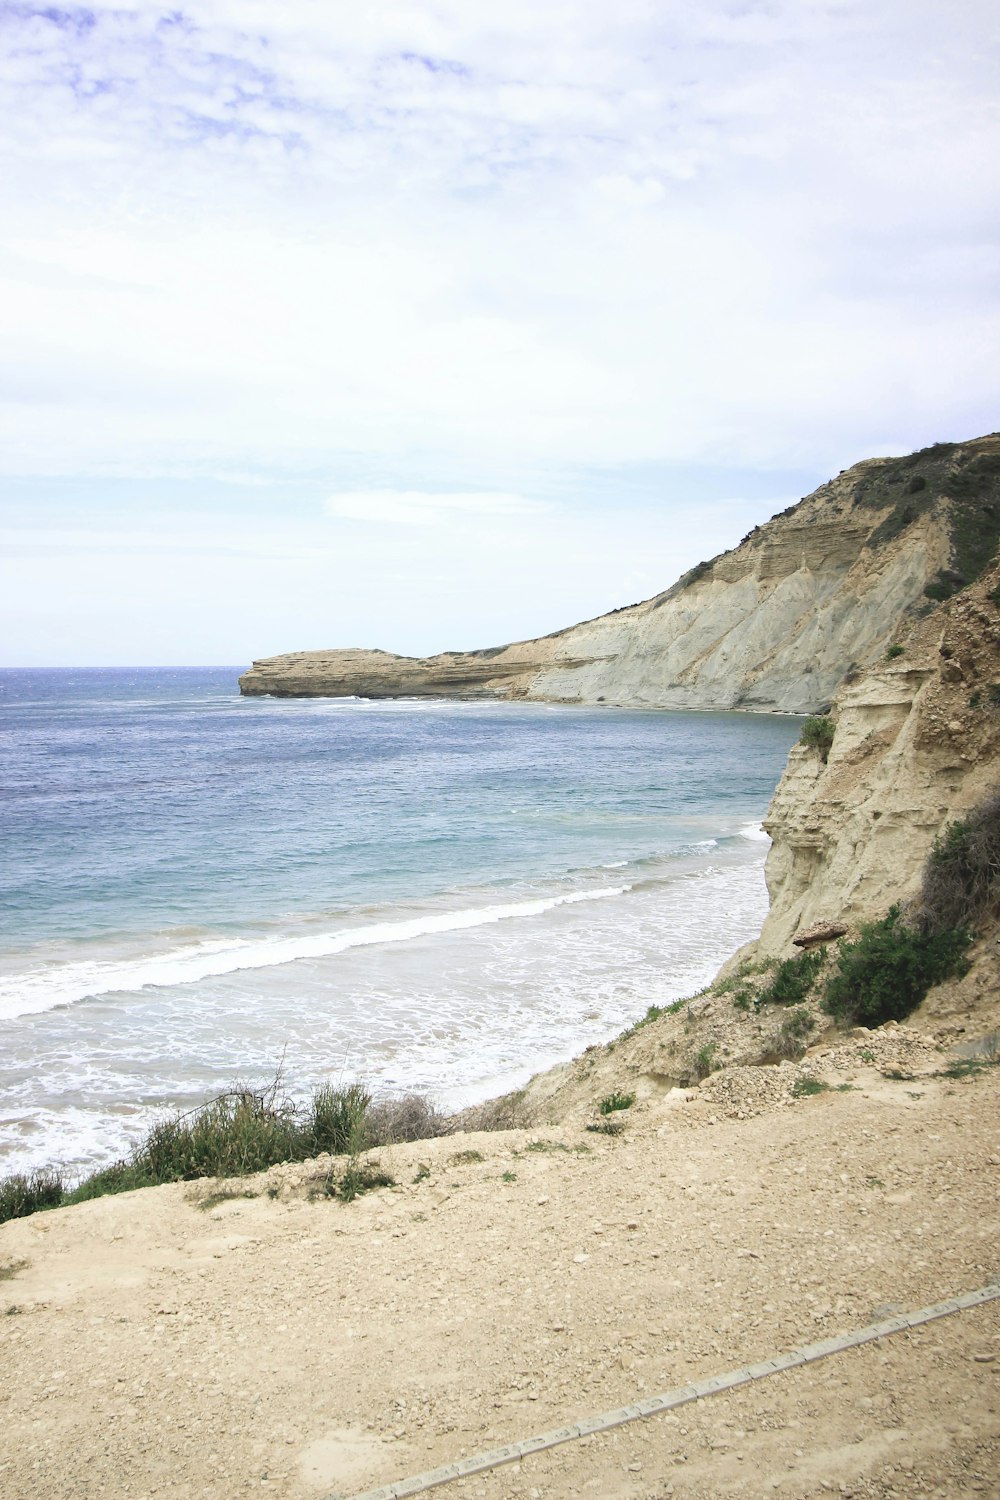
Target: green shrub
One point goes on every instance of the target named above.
(357, 1177)
(248, 1130)
(24, 1193)
(337, 1119)
(612, 1102)
(893, 651)
(793, 979)
(961, 878)
(887, 971)
(804, 1088)
(704, 1060)
(652, 1014)
(817, 734)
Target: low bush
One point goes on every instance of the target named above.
(805, 1088)
(887, 971)
(704, 1059)
(243, 1131)
(817, 734)
(961, 880)
(793, 979)
(23, 1193)
(358, 1177)
(652, 1014)
(893, 651)
(612, 1102)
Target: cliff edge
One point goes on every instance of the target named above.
(773, 624)
(915, 750)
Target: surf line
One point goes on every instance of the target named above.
(713, 1386)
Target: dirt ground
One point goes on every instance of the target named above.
(301, 1347)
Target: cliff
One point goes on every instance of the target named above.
(773, 624)
(916, 747)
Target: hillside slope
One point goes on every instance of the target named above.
(773, 624)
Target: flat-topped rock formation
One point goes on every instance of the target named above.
(773, 624)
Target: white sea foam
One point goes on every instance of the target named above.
(755, 832)
(41, 990)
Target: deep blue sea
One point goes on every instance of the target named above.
(198, 887)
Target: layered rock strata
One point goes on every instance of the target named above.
(916, 745)
(773, 624)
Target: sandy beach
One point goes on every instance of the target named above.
(169, 1344)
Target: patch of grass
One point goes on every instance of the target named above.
(466, 1158)
(805, 1088)
(887, 971)
(243, 1131)
(893, 651)
(612, 1102)
(652, 1014)
(966, 1067)
(867, 1055)
(845, 1088)
(874, 1182)
(744, 999)
(541, 1145)
(224, 1195)
(608, 1126)
(508, 1177)
(358, 1177)
(817, 734)
(11, 1268)
(24, 1193)
(422, 1174)
(704, 1059)
(338, 1120)
(793, 978)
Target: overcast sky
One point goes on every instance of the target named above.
(437, 324)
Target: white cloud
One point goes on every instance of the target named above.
(422, 508)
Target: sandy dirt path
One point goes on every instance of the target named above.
(296, 1348)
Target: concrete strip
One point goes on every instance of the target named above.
(651, 1405)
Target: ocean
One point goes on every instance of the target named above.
(198, 888)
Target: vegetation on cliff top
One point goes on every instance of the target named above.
(913, 486)
(243, 1131)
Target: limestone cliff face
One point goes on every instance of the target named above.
(772, 625)
(916, 745)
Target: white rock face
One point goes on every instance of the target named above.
(916, 746)
(772, 625)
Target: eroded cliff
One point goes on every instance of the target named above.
(773, 624)
(916, 748)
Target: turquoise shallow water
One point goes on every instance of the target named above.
(432, 895)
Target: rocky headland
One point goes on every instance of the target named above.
(773, 624)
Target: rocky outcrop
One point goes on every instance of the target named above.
(916, 745)
(773, 624)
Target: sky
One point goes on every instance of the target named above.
(442, 324)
